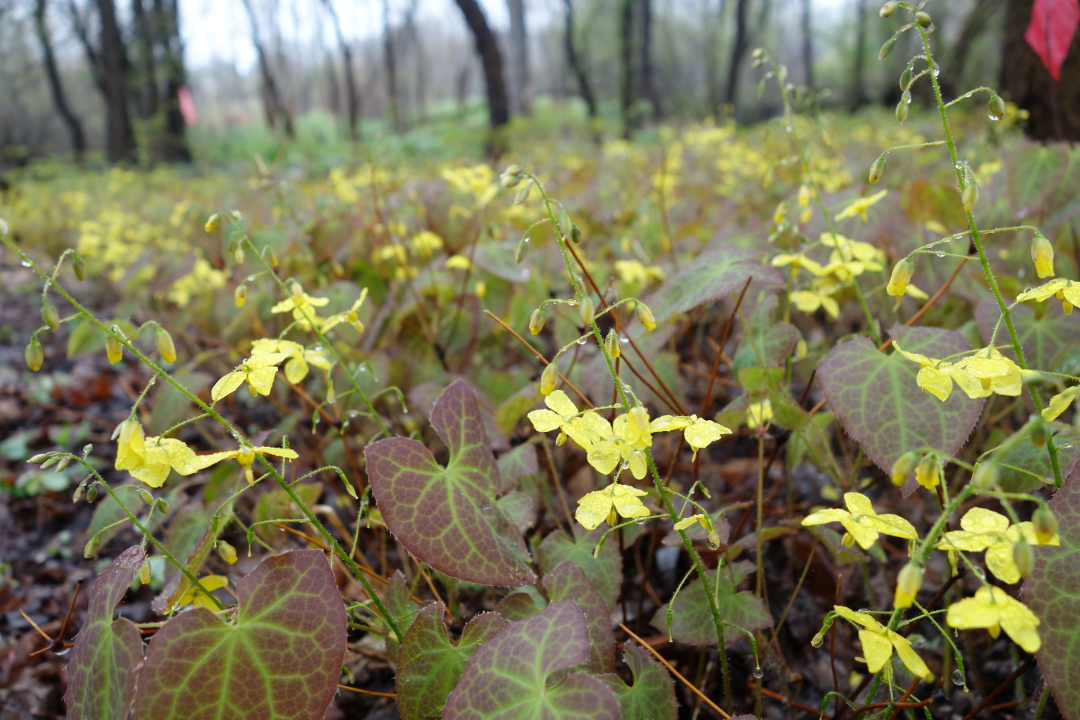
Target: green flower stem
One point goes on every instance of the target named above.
(224, 423)
(579, 291)
(976, 238)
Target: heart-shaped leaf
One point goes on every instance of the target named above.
(429, 665)
(569, 582)
(652, 696)
(508, 677)
(1053, 593)
(280, 658)
(604, 572)
(449, 517)
(692, 621)
(878, 402)
(515, 465)
(711, 275)
(107, 652)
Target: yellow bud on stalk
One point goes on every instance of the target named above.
(1042, 254)
(79, 267)
(34, 354)
(877, 170)
(901, 276)
(212, 223)
(549, 377)
(928, 471)
(970, 195)
(985, 476)
(1045, 524)
(227, 552)
(295, 289)
(163, 341)
(780, 213)
(1024, 557)
(240, 295)
(536, 321)
(612, 344)
(50, 315)
(903, 467)
(908, 583)
(586, 311)
(239, 255)
(645, 316)
(144, 573)
(273, 259)
(113, 349)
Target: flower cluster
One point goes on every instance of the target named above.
(980, 374)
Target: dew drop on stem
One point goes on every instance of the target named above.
(758, 673)
(957, 677)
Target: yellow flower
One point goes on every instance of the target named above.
(303, 307)
(596, 507)
(862, 524)
(257, 370)
(850, 258)
(979, 375)
(634, 271)
(699, 433)
(1064, 289)
(426, 242)
(797, 261)
(809, 301)
(1042, 254)
(993, 609)
(246, 456)
(987, 530)
(457, 262)
(758, 414)
(626, 441)
(878, 643)
(296, 369)
(1060, 402)
(933, 375)
(350, 316)
(194, 596)
(859, 206)
(151, 459)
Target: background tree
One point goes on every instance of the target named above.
(56, 86)
(576, 62)
(488, 49)
(521, 90)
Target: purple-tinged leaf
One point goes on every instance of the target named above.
(106, 656)
(711, 275)
(449, 517)
(878, 402)
(692, 621)
(515, 465)
(517, 606)
(519, 508)
(430, 665)
(402, 608)
(569, 582)
(1053, 594)
(280, 658)
(652, 696)
(604, 572)
(508, 678)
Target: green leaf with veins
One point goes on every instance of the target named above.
(519, 674)
(449, 517)
(710, 276)
(652, 696)
(280, 659)
(106, 654)
(604, 572)
(569, 582)
(430, 665)
(692, 621)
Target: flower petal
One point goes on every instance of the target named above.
(876, 649)
(560, 403)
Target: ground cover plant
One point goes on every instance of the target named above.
(775, 421)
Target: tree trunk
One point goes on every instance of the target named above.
(274, 106)
(173, 145)
(1054, 107)
(738, 52)
(392, 93)
(807, 44)
(352, 98)
(488, 48)
(712, 53)
(144, 80)
(626, 66)
(575, 62)
(119, 138)
(975, 23)
(74, 126)
(647, 80)
(521, 95)
(858, 60)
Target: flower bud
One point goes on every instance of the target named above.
(903, 107)
(236, 215)
(780, 213)
(144, 573)
(162, 506)
(575, 234)
(226, 551)
(996, 107)
(1045, 524)
(509, 181)
(79, 492)
(901, 275)
(923, 19)
(62, 465)
(889, 8)
(295, 289)
(645, 316)
(817, 641)
(38, 459)
(908, 583)
(113, 349)
(522, 249)
(1042, 253)
(91, 547)
(164, 343)
(612, 344)
(970, 195)
(536, 321)
(905, 78)
(91, 493)
(523, 194)
(985, 476)
(1024, 557)
(230, 246)
(928, 471)
(903, 467)
(549, 377)
(50, 462)
(50, 315)
(212, 223)
(240, 295)
(79, 267)
(1038, 431)
(877, 170)
(145, 496)
(34, 354)
(887, 48)
(273, 258)
(586, 311)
